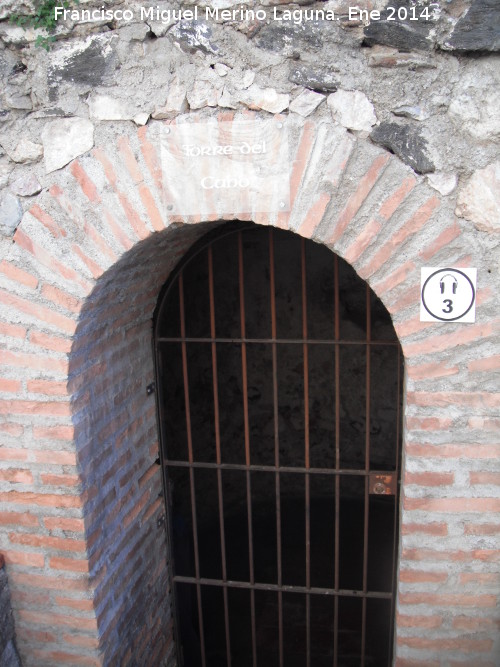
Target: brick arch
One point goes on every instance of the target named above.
(80, 285)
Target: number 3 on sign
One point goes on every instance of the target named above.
(448, 295)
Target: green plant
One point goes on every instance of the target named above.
(43, 19)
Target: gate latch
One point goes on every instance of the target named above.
(382, 485)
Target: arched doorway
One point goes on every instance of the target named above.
(279, 399)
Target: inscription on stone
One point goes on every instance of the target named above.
(225, 167)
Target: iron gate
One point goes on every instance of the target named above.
(279, 403)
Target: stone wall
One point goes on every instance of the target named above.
(394, 137)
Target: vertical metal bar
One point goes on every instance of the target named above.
(367, 469)
(396, 504)
(247, 442)
(218, 452)
(307, 449)
(191, 469)
(337, 458)
(272, 289)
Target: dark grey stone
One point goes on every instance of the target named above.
(405, 35)
(406, 143)
(320, 79)
(11, 213)
(278, 36)
(478, 30)
(90, 67)
(195, 35)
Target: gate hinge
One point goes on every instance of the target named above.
(382, 484)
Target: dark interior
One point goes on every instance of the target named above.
(352, 398)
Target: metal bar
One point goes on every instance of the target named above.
(314, 590)
(272, 291)
(278, 341)
(367, 469)
(283, 469)
(306, 448)
(241, 278)
(337, 459)
(218, 451)
(191, 469)
(396, 502)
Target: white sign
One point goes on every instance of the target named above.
(448, 295)
(227, 167)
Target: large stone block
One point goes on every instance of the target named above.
(478, 30)
(64, 140)
(479, 200)
(406, 143)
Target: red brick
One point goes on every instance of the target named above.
(356, 200)
(60, 480)
(92, 266)
(485, 364)
(85, 182)
(9, 386)
(453, 504)
(443, 399)
(12, 330)
(429, 478)
(149, 203)
(39, 312)
(60, 432)
(152, 509)
(44, 499)
(55, 343)
(51, 409)
(117, 231)
(482, 529)
(479, 578)
(44, 581)
(82, 605)
(66, 658)
(409, 228)
(451, 556)
(446, 237)
(418, 576)
(362, 241)
(446, 451)
(19, 519)
(80, 640)
(129, 159)
(391, 204)
(428, 423)
(32, 361)
(11, 454)
(449, 600)
(299, 164)
(428, 622)
(425, 528)
(485, 478)
(394, 279)
(314, 215)
(39, 636)
(23, 241)
(484, 424)
(55, 543)
(70, 564)
(64, 523)
(47, 387)
(434, 344)
(16, 475)
(429, 371)
(47, 221)
(151, 158)
(421, 662)
(476, 624)
(18, 275)
(23, 558)
(61, 298)
(456, 644)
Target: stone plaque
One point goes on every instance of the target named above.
(228, 167)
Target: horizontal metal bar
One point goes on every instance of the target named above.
(313, 590)
(280, 469)
(278, 341)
